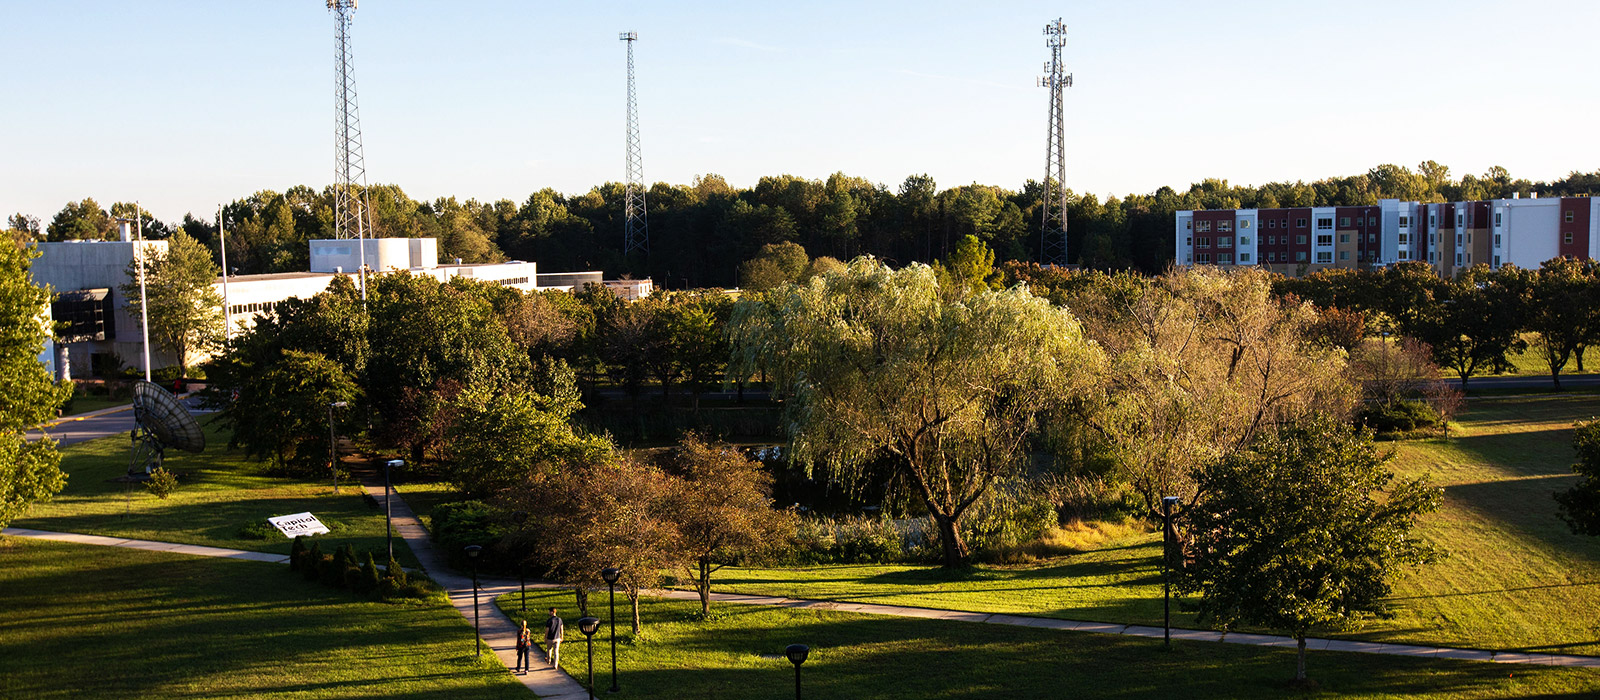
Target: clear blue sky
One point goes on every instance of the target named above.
(185, 104)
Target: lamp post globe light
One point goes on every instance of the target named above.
(333, 444)
(590, 625)
(1166, 557)
(472, 551)
(797, 654)
(611, 574)
(388, 493)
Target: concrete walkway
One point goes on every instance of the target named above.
(1312, 644)
(498, 632)
(190, 549)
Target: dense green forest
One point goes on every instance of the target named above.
(701, 232)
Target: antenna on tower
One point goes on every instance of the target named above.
(1053, 229)
(638, 226)
(352, 211)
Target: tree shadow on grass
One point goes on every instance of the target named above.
(89, 621)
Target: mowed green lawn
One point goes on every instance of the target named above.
(740, 657)
(1516, 578)
(219, 492)
(81, 621)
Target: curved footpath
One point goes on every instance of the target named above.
(499, 632)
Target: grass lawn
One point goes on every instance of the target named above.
(1515, 578)
(1531, 363)
(740, 656)
(84, 403)
(82, 621)
(219, 492)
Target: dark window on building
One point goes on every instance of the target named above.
(87, 314)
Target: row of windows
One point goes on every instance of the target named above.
(1344, 221)
(253, 308)
(510, 281)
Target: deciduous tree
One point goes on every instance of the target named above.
(877, 364)
(30, 471)
(1580, 505)
(1306, 528)
(721, 508)
(185, 310)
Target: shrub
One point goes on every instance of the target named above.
(393, 572)
(1401, 416)
(368, 581)
(330, 571)
(296, 552)
(857, 540)
(262, 530)
(311, 563)
(162, 483)
(421, 589)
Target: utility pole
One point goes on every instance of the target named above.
(352, 210)
(1053, 220)
(227, 308)
(637, 228)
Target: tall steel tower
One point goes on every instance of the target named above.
(638, 226)
(352, 213)
(1053, 231)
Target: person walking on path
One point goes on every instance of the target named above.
(553, 628)
(524, 640)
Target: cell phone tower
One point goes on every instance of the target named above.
(352, 213)
(1053, 229)
(637, 229)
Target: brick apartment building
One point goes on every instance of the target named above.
(1449, 236)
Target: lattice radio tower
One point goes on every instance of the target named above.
(1053, 233)
(638, 226)
(352, 213)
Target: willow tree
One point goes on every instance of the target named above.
(876, 364)
(1204, 360)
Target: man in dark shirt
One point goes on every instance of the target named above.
(553, 628)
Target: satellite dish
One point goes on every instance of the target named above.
(162, 421)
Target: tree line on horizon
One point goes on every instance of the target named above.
(701, 232)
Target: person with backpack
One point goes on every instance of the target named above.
(553, 629)
(524, 640)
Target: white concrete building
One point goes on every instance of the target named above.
(86, 277)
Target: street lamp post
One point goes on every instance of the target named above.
(388, 495)
(611, 574)
(333, 445)
(520, 517)
(590, 625)
(472, 551)
(797, 654)
(1166, 558)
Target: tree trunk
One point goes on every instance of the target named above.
(1300, 659)
(1579, 353)
(703, 585)
(955, 550)
(633, 600)
(582, 595)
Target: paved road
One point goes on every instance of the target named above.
(1528, 381)
(72, 430)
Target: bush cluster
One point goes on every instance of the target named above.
(1397, 417)
(359, 575)
(854, 539)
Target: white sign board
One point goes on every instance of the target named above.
(293, 526)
